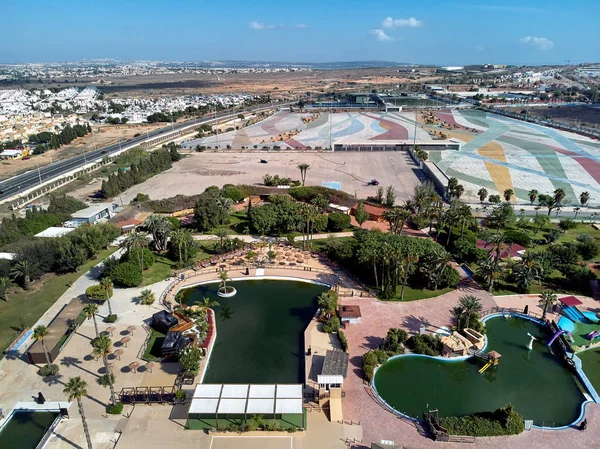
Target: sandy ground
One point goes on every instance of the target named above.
(103, 135)
(198, 171)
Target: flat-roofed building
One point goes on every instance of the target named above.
(92, 214)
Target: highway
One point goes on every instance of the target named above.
(20, 183)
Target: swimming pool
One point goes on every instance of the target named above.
(25, 429)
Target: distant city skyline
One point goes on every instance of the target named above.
(463, 32)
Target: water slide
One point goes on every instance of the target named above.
(574, 314)
(592, 335)
(559, 333)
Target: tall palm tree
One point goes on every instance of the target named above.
(303, 169)
(90, 311)
(491, 273)
(224, 278)
(508, 193)
(180, 239)
(434, 266)
(327, 302)
(458, 313)
(547, 300)
(483, 193)
(470, 304)
(498, 244)
(136, 241)
(396, 217)
(559, 195)
(584, 198)
(224, 204)
(23, 271)
(5, 284)
(103, 347)
(222, 234)
(39, 334)
(75, 388)
(160, 228)
(107, 286)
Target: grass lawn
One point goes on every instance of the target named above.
(152, 353)
(591, 366)
(162, 269)
(414, 294)
(25, 308)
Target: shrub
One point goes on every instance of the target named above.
(189, 359)
(519, 237)
(370, 358)
(368, 372)
(394, 340)
(180, 395)
(115, 409)
(141, 198)
(588, 250)
(127, 274)
(451, 278)
(343, 340)
(425, 344)
(332, 325)
(503, 421)
(48, 370)
(148, 258)
(97, 293)
(110, 318)
(337, 221)
(419, 221)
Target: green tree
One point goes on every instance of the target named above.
(494, 199)
(390, 196)
(303, 169)
(455, 190)
(559, 195)
(5, 284)
(434, 265)
(222, 234)
(23, 271)
(90, 310)
(224, 277)
(482, 193)
(547, 300)
(361, 214)
(396, 217)
(584, 198)
(471, 305)
(135, 242)
(540, 222)
(147, 297)
(566, 224)
(160, 228)
(532, 195)
(379, 195)
(328, 303)
(39, 334)
(107, 286)
(75, 388)
(182, 240)
(491, 273)
(102, 348)
(508, 193)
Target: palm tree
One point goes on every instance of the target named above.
(107, 285)
(328, 302)
(584, 198)
(483, 193)
(498, 244)
(103, 347)
(5, 284)
(206, 304)
(222, 234)
(147, 296)
(547, 300)
(396, 217)
(470, 305)
(458, 313)
(576, 209)
(182, 239)
(39, 334)
(303, 169)
(136, 241)
(224, 278)
(251, 255)
(532, 195)
(224, 204)
(160, 228)
(490, 272)
(524, 274)
(23, 271)
(434, 266)
(508, 193)
(75, 388)
(559, 195)
(90, 311)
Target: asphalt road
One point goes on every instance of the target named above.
(20, 183)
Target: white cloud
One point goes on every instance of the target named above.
(301, 26)
(411, 22)
(479, 48)
(541, 43)
(380, 35)
(260, 26)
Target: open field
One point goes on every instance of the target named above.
(277, 84)
(103, 135)
(195, 173)
(570, 114)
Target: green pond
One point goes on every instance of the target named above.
(536, 382)
(25, 430)
(260, 331)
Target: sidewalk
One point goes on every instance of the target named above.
(256, 239)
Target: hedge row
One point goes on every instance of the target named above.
(503, 421)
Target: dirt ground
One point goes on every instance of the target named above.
(103, 135)
(198, 171)
(571, 114)
(277, 84)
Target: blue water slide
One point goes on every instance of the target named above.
(574, 314)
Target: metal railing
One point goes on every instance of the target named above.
(48, 433)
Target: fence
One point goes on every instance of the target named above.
(48, 433)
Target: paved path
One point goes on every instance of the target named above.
(256, 239)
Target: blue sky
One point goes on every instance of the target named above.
(426, 32)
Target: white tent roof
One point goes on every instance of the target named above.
(260, 405)
(232, 406)
(54, 231)
(207, 391)
(288, 406)
(203, 405)
(262, 391)
(289, 391)
(234, 391)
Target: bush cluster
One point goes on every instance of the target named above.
(331, 325)
(127, 274)
(425, 344)
(503, 421)
(343, 340)
(115, 409)
(48, 370)
(97, 293)
(337, 221)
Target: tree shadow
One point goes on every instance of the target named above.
(75, 362)
(66, 440)
(414, 324)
